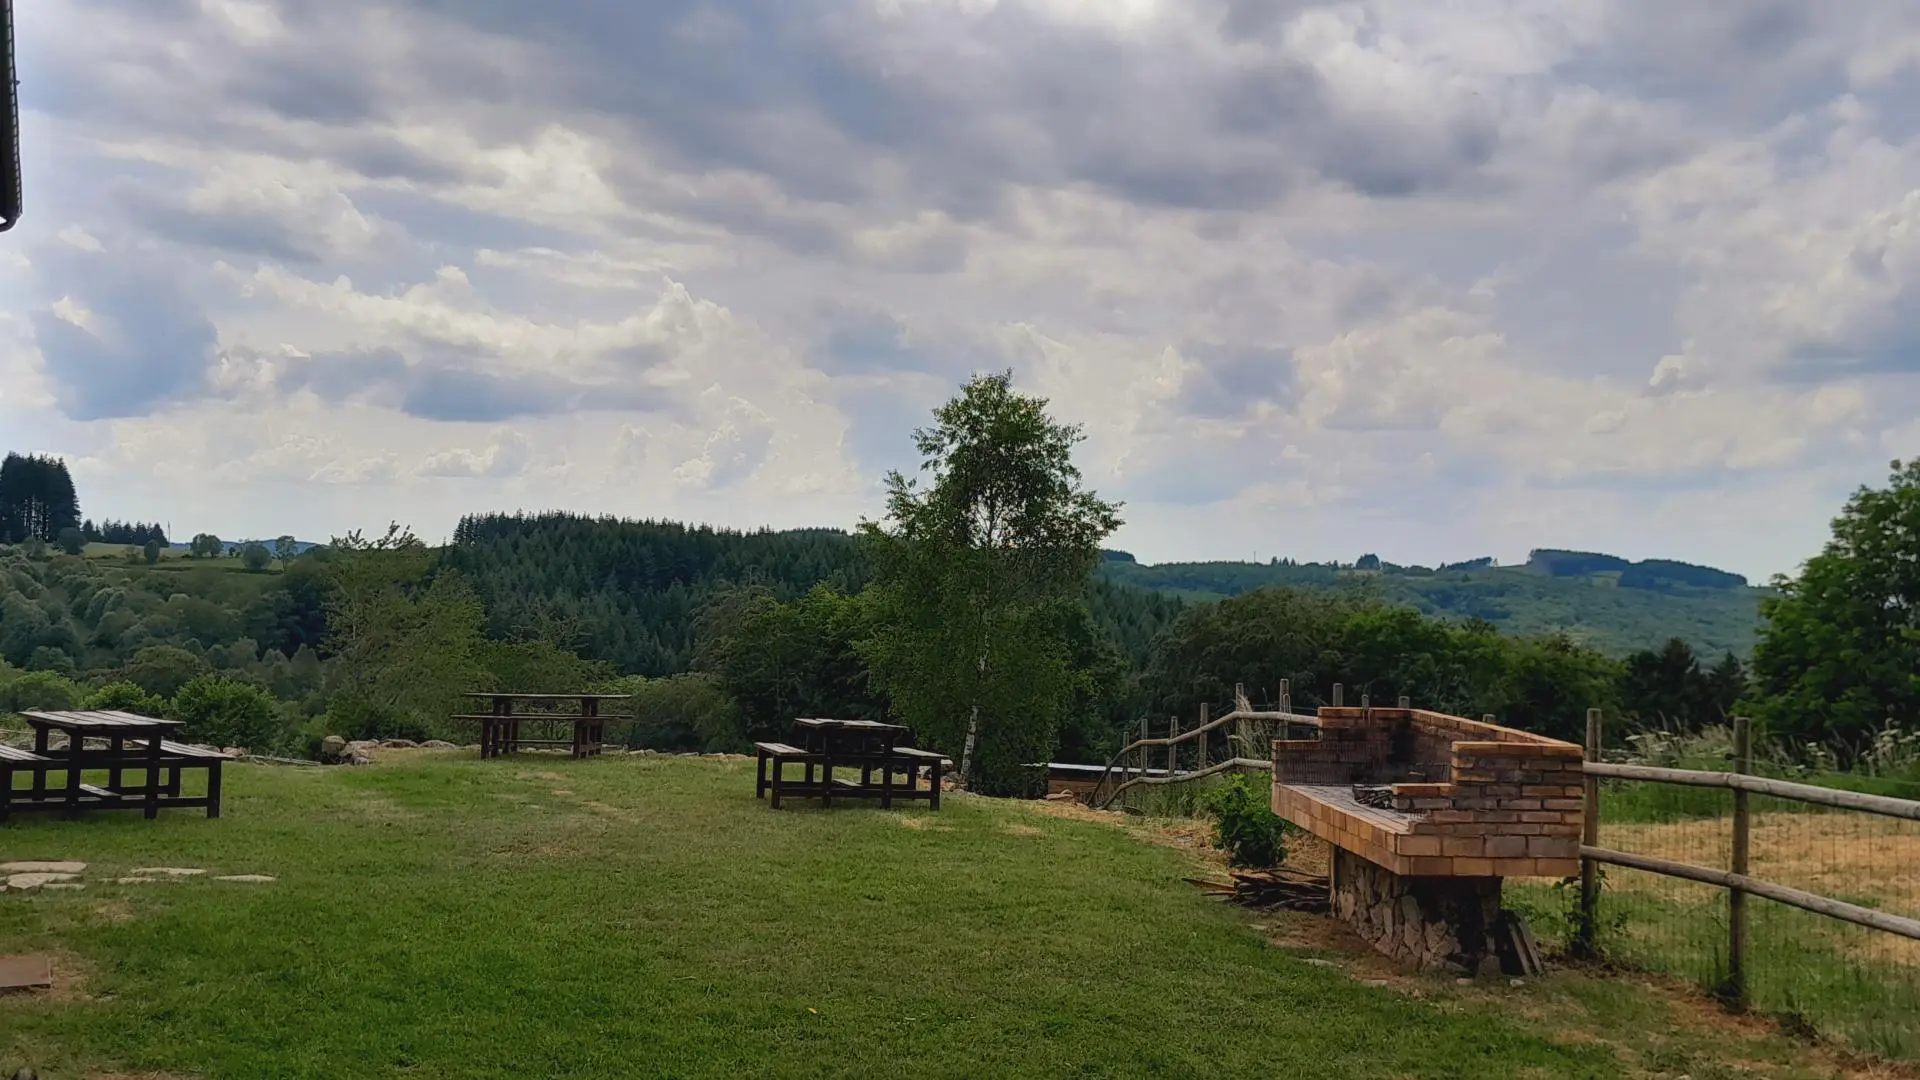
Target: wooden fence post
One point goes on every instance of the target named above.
(1173, 748)
(1339, 695)
(1736, 988)
(1200, 761)
(1586, 940)
(1406, 702)
(1143, 750)
(1286, 695)
(1488, 718)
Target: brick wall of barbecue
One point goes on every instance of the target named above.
(1510, 802)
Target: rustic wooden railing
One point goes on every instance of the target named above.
(1129, 776)
(1735, 879)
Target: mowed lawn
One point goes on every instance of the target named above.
(440, 916)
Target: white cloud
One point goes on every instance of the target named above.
(1307, 269)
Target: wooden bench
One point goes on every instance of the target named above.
(131, 743)
(17, 762)
(830, 747)
(781, 754)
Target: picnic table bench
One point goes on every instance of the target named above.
(132, 743)
(867, 745)
(500, 726)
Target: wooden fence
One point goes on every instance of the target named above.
(1734, 877)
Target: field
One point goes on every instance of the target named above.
(439, 916)
(1843, 981)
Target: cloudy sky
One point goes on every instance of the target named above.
(1430, 279)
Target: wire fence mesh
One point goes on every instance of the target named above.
(1837, 979)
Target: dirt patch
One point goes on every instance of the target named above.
(920, 824)
(1018, 829)
(138, 1076)
(539, 776)
(114, 912)
(562, 792)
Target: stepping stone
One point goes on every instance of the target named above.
(25, 972)
(43, 868)
(25, 882)
(246, 877)
(169, 871)
(142, 880)
(72, 886)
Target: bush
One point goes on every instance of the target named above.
(126, 697)
(38, 690)
(255, 557)
(351, 718)
(72, 540)
(227, 713)
(1245, 826)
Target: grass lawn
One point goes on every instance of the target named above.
(439, 916)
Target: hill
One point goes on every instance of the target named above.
(1606, 602)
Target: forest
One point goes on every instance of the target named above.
(724, 636)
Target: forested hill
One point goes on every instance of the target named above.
(1607, 602)
(630, 592)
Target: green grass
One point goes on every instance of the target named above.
(447, 917)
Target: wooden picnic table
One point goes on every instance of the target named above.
(869, 745)
(132, 742)
(500, 725)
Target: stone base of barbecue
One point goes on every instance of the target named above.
(1431, 923)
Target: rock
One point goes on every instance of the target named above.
(168, 871)
(142, 880)
(234, 751)
(1061, 796)
(29, 882)
(43, 868)
(399, 744)
(1317, 962)
(72, 886)
(438, 744)
(332, 747)
(246, 878)
(26, 1073)
(1518, 982)
(1377, 983)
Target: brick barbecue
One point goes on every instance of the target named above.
(1467, 804)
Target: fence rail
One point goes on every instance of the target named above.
(1108, 789)
(1886, 1009)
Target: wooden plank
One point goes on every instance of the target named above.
(1806, 901)
(1584, 943)
(1737, 897)
(1760, 785)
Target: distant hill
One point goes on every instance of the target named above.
(1610, 603)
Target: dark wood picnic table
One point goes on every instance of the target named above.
(114, 742)
(868, 745)
(500, 725)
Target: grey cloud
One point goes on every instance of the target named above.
(449, 389)
(146, 342)
(1232, 379)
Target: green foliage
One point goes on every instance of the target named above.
(634, 589)
(1316, 638)
(224, 712)
(979, 577)
(1244, 824)
(405, 634)
(48, 658)
(682, 713)
(37, 500)
(72, 540)
(1839, 656)
(286, 549)
(161, 670)
(1598, 610)
(126, 697)
(151, 552)
(255, 557)
(36, 690)
(780, 661)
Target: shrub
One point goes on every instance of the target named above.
(38, 690)
(125, 697)
(256, 557)
(352, 718)
(151, 553)
(1245, 826)
(227, 713)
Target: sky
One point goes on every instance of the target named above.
(1431, 280)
